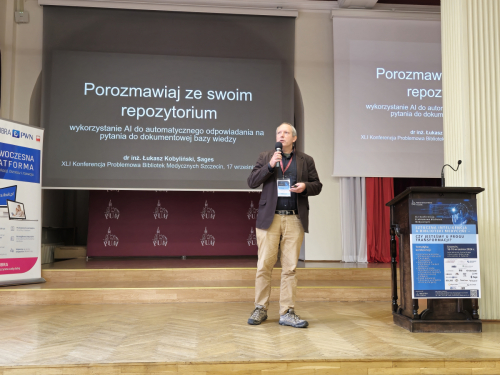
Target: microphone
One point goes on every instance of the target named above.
(278, 146)
(442, 171)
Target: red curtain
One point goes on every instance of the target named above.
(379, 191)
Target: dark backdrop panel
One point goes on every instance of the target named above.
(400, 184)
(147, 223)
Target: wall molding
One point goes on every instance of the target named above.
(431, 13)
(285, 8)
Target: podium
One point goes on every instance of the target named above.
(441, 314)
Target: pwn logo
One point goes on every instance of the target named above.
(18, 134)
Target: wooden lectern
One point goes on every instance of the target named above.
(441, 315)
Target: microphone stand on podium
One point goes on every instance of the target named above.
(447, 165)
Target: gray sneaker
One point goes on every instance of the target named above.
(258, 316)
(292, 320)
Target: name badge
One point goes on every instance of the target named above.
(284, 188)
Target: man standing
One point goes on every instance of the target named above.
(283, 214)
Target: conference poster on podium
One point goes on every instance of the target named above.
(20, 202)
(444, 248)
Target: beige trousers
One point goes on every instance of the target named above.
(289, 229)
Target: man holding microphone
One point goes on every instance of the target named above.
(288, 177)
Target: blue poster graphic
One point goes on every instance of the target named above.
(7, 193)
(443, 211)
(444, 249)
(19, 163)
(429, 264)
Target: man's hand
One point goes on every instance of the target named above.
(276, 158)
(299, 189)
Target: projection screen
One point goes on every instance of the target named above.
(159, 100)
(388, 98)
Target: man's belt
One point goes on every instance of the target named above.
(286, 212)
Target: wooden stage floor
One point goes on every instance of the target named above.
(129, 280)
(214, 338)
(191, 262)
(173, 316)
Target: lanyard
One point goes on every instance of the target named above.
(288, 165)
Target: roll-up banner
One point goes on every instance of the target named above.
(20, 203)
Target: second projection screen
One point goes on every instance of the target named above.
(388, 98)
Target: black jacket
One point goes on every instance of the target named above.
(306, 173)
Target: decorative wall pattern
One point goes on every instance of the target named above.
(148, 223)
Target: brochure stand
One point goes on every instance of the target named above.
(446, 314)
